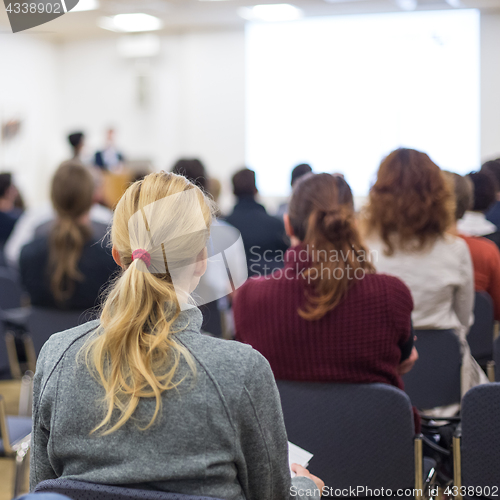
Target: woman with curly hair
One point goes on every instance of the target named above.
(409, 212)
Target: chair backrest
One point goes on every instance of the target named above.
(435, 378)
(496, 358)
(212, 321)
(480, 444)
(4, 358)
(480, 336)
(11, 292)
(42, 323)
(359, 434)
(79, 490)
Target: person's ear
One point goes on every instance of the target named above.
(116, 257)
(288, 226)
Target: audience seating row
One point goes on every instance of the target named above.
(362, 435)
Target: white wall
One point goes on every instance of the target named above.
(196, 99)
(30, 91)
(490, 85)
(196, 107)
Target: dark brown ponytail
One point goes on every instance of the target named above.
(72, 194)
(322, 216)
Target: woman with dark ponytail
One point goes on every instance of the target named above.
(68, 269)
(327, 316)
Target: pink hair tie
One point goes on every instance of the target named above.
(143, 255)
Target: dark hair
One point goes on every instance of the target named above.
(464, 193)
(76, 139)
(410, 201)
(322, 216)
(193, 170)
(244, 183)
(5, 183)
(72, 195)
(492, 168)
(299, 171)
(484, 191)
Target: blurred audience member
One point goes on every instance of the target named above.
(194, 170)
(474, 222)
(37, 221)
(214, 283)
(492, 168)
(409, 212)
(8, 212)
(297, 173)
(68, 268)
(485, 254)
(327, 316)
(109, 158)
(263, 235)
(214, 190)
(77, 143)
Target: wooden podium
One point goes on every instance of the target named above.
(114, 185)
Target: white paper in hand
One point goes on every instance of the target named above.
(297, 455)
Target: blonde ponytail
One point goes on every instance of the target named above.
(134, 355)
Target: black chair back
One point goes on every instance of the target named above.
(11, 292)
(496, 358)
(480, 336)
(360, 434)
(480, 447)
(435, 378)
(79, 490)
(4, 358)
(42, 323)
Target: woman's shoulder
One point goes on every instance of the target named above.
(59, 343)
(223, 356)
(386, 285)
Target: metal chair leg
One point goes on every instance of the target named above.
(457, 466)
(490, 370)
(22, 451)
(419, 472)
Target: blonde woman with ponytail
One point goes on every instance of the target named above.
(68, 267)
(140, 397)
(327, 316)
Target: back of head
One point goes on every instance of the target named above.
(244, 184)
(484, 191)
(5, 183)
(193, 170)
(492, 168)
(72, 194)
(299, 171)
(76, 139)
(410, 205)
(321, 214)
(160, 230)
(464, 193)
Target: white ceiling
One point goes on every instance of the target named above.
(188, 15)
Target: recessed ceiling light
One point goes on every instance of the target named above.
(85, 5)
(407, 5)
(271, 12)
(130, 23)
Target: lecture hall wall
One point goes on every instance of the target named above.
(190, 100)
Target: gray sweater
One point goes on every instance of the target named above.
(220, 434)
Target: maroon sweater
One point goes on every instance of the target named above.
(357, 342)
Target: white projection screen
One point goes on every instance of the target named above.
(340, 93)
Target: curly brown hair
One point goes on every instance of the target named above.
(411, 204)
